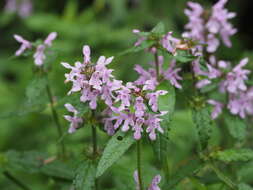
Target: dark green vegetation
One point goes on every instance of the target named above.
(188, 156)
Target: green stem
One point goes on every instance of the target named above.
(15, 180)
(94, 149)
(94, 140)
(55, 118)
(139, 164)
(157, 67)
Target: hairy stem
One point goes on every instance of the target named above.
(56, 119)
(157, 67)
(15, 180)
(139, 164)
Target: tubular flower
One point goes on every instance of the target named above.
(24, 45)
(39, 56)
(74, 120)
(217, 108)
(241, 104)
(234, 81)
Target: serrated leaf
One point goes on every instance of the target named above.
(202, 120)
(158, 29)
(243, 186)
(236, 127)
(187, 170)
(34, 162)
(114, 149)
(85, 176)
(222, 176)
(36, 91)
(232, 155)
(165, 103)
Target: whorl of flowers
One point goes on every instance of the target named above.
(127, 105)
(207, 26)
(39, 55)
(232, 82)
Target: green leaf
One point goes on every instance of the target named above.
(85, 176)
(236, 127)
(243, 186)
(160, 147)
(158, 29)
(232, 155)
(209, 87)
(36, 91)
(145, 44)
(203, 122)
(36, 99)
(114, 149)
(187, 170)
(183, 57)
(167, 102)
(222, 176)
(34, 162)
(198, 185)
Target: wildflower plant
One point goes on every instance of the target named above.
(140, 112)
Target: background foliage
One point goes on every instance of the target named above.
(28, 138)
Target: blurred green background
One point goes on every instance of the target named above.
(106, 26)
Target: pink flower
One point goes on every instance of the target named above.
(24, 44)
(172, 75)
(22, 7)
(86, 53)
(153, 124)
(241, 104)
(51, 37)
(154, 184)
(202, 83)
(39, 55)
(141, 38)
(218, 22)
(153, 99)
(169, 42)
(75, 121)
(217, 108)
(235, 79)
(139, 107)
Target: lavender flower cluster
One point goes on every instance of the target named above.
(39, 55)
(206, 26)
(127, 105)
(23, 7)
